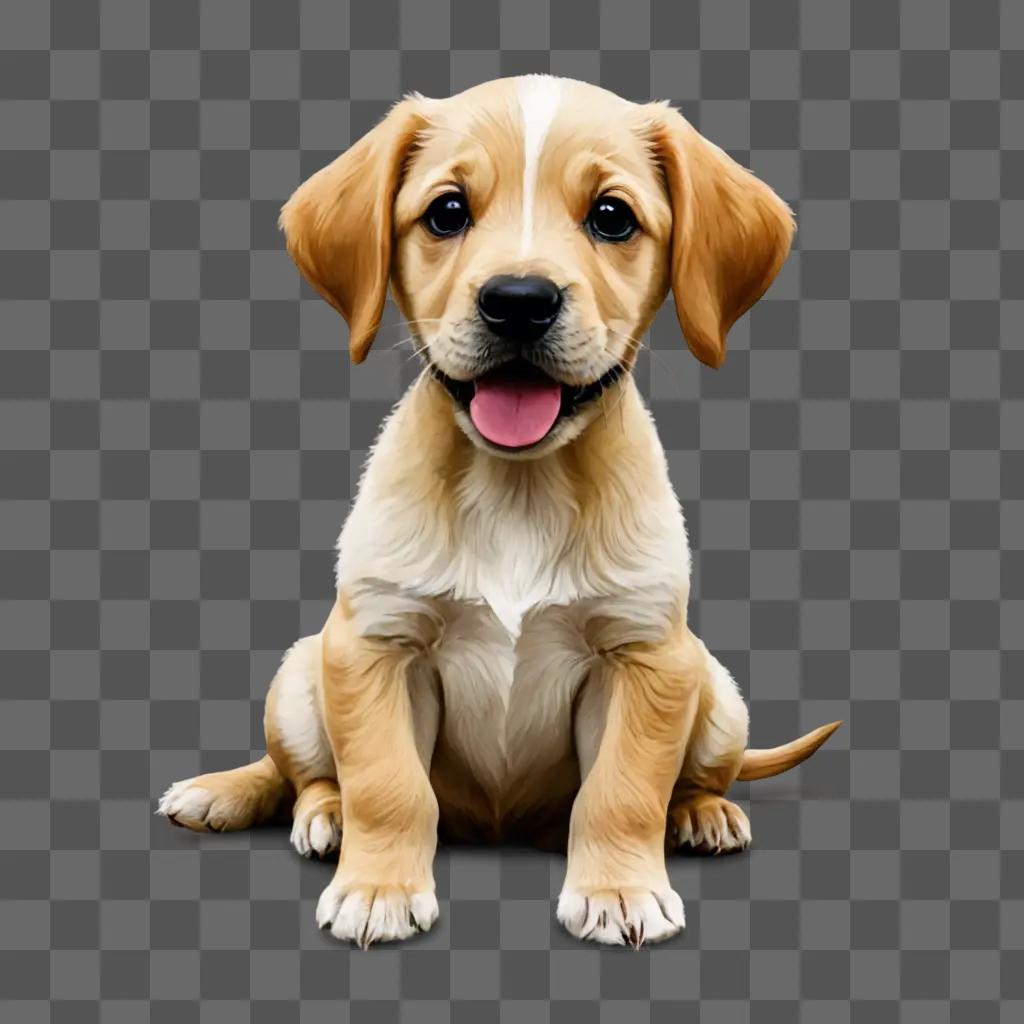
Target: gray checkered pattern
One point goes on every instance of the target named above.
(180, 437)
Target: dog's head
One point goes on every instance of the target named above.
(530, 228)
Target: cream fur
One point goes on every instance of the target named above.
(509, 639)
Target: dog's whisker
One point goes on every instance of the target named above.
(418, 349)
(418, 353)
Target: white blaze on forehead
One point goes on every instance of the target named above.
(539, 96)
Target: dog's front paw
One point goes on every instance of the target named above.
(620, 916)
(708, 823)
(365, 914)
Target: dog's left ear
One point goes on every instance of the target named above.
(338, 223)
(730, 233)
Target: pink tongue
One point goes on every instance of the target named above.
(515, 413)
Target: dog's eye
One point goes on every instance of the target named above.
(611, 220)
(447, 215)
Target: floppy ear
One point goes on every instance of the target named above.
(730, 233)
(338, 223)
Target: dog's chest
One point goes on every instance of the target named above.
(514, 569)
(508, 694)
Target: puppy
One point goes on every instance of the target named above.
(508, 655)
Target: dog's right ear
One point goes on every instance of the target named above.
(338, 223)
(730, 232)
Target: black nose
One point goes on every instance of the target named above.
(519, 308)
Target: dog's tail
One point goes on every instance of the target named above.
(763, 764)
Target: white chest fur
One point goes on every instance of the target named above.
(507, 698)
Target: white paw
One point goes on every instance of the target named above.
(192, 806)
(316, 834)
(365, 914)
(620, 916)
(711, 826)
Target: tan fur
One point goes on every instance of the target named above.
(508, 655)
(708, 823)
(474, 141)
(383, 886)
(618, 820)
(338, 225)
(730, 234)
(226, 801)
(762, 764)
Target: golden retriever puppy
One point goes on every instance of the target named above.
(508, 655)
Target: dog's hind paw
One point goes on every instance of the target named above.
(316, 831)
(316, 835)
(708, 823)
(196, 807)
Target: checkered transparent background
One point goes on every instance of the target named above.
(180, 436)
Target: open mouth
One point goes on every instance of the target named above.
(517, 405)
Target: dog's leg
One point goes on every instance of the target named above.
(616, 886)
(297, 741)
(699, 815)
(227, 801)
(384, 886)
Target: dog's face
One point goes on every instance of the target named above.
(530, 228)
